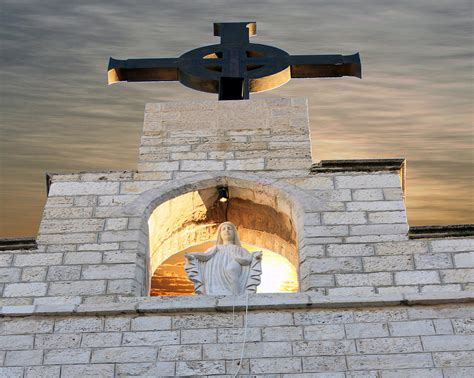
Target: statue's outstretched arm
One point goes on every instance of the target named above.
(201, 256)
(246, 258)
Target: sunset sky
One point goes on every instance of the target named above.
(415, 99)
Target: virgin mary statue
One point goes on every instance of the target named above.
(226, 268)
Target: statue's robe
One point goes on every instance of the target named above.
(224, 270)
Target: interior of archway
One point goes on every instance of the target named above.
(189, 222)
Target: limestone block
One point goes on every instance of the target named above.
(198, 336)
(389, 361)
(201, 165)
(195, 368)
(16, 342)
(124, 354)
(287, 163)
(380, 315)
(56, 226)
(376, 238)
(83, 188)
(63, 273)
(35, 259)
(315, 283)
(376, 229)
(26, 326)
(6, 259)
(34, 274)
(154, 369)
(331, 265)
(375, 206)
(324, 364)
(236, 335)
(69, 213)
(417, 277)
(312, 182)
(85, 201)
(117, 323)
(112, 271)
(389, 345)
(452, 245)
(245, 164)
(348, 250)
(464, 260)
(457, 275)
(387, 217)
(78, 258)
(224, 155)
(95, 287)
(151, 322)
(179, 352)
(124, 287)
(23, 357)
(10, 274)
(413, 373)
(118, 236)
(43, 371)
(269, 318)
(370, 279)
(345, 217)
(37, 289)
(101, 339)
(351, 291)
(412, 328)
(80, 371)
(118, 200)
(275, 365)
(324, 332)
(115, 257)
(66, 356)
(162, 166)
(323, 317)
(443, 326)
(401, 248)
(463, 326)
(83, 324)
(367, 195)
(447, 343)
(368, 181)
(288, 333)
(321, 231)
(364, 330)
(252, 350)
(445, 359)
(206, 320)
(72, 238)
(440, 312)
(387, 263)
(457, 372)
(57, 341)
(433, 261)
(11, 372)
(150, 338)
(64, 201)
(323, 347)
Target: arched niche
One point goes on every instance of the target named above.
(181, 213)
(191, 219)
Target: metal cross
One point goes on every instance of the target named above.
(235, 67)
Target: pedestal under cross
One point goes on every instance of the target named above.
(235, 67)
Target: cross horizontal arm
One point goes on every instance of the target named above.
(142, 70)
(305, 66)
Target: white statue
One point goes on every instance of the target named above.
(226, 268)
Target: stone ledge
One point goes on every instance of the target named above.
(225, 303)
(14, 244)
(441, 231)
(359, 165)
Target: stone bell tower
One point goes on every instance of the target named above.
(374, 297)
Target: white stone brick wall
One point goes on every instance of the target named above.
(305, 338)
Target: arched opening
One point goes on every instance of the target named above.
(189, 221)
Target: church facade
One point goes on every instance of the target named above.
(371, 302)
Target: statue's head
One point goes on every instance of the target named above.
(227, 234)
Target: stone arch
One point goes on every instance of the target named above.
(275, 225)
